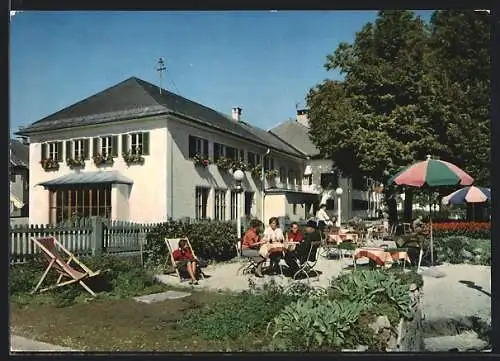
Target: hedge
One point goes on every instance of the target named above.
(211, 240)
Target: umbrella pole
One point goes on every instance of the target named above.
(430, 224)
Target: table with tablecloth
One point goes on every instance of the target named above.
(381, 256)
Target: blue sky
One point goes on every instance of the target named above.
(263, 61)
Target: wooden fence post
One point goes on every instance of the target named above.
(97, 238)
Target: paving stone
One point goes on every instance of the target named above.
(162, 296)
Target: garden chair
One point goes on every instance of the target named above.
(49, 246)
(249, 264)
(172, 244)
(308, 266)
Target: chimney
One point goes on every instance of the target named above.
(237, 113)
(302, 117)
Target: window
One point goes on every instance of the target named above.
(231, 153)
(77, 149)
(197, 146)
(249, 197)
(12, 177)
(359, 183)
(291, 177)
(219, 151)
(201, 202)
(308, 180)
(294, 209)
(234, 203)
(135, 143)
(241, 155)
(77, 202)
(329, 180)
(220, 204)
(52, 150)
(252, 159)
(106, 146)
(359, 205)
(268, 163)
(282, 175)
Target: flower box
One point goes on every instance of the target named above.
(239, 164)
(257, 171)
(201, 160)
(75, 163)
(131, 158)
(224, 163)
(271, 174)
(100, 159)
(49, 164)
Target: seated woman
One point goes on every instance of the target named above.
(251, 244)
(273, 235)
(186, 262)
(296, 236)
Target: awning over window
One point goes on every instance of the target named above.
(107, 177)
(295, 196)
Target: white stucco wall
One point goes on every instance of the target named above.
(147, 198)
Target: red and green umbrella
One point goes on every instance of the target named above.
(432, 173)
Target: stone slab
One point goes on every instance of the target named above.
(22, 344)
(162, 296)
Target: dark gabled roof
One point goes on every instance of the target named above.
(297, 135)
(20, 154)
(135, 98)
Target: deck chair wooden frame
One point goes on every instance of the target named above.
(308, 266)
(172, 244)
(49, 246)
(249, 264)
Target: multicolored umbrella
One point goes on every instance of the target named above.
(432, 173)
(470, 194)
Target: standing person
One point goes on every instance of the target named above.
(322, 216)
(251, 244)
(273, 234)
(185, 261)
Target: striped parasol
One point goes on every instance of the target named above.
(470, 194)
(432, 173)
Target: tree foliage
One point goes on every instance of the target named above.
(409, 89)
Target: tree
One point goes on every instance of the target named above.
(394, 106)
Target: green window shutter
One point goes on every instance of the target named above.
(86, 149)
(205, 148)
(192, 146)
(114, 146)
(95, 146)
(59, 148)
(69, 153)
(44, 151)
(145, 143)
(124, 143)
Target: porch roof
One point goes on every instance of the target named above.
(106, 177)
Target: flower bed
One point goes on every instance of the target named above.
(468, 229)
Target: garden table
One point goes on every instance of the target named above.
(379, 255)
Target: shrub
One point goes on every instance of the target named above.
(461, 249)
(246, 313)
(480, 230)
(211, 240)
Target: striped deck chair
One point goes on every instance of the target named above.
(173, 244)
(67, 274)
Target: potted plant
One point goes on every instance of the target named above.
(100, 159)
(201, 160)
(49, 164)
(133, 158)
(75, 163)
(224, 163)
(271, 174)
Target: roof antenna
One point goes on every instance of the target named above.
(161, 68)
